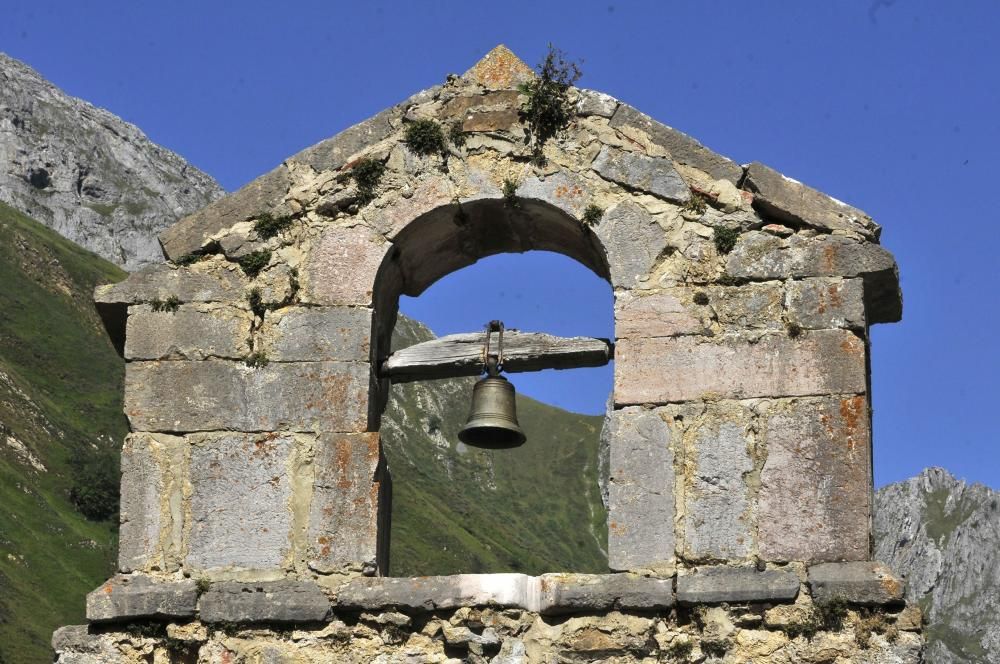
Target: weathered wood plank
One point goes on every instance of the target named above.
(461, 355)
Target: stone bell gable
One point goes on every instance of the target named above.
(740, 432)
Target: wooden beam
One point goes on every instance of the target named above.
(461, 355)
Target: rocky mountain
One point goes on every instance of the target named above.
(90, 176)
(943, 535)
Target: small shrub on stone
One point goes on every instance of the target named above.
(257, 360)
(367, 174)
(203, 585)
(831, 614)
(700, 298)
(697, 204)
(714, 648)
(256, 302)
(510, 194)
(188, 259)
(725, 239)
(424, 137)
(592, 215)
(171, 304)
(680, 649)
(456, 135)
(254, 262)
(873, 622)
(794, 330)
(267, 225)
(548, 109)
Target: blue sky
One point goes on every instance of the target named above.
(892, 105)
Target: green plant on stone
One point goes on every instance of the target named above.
(203, 585)
(367, 173)
(592, 215)
(725, 239)
(268, 225)
(831, 614)
(680, 649)
(698, 203)
(256, 360)
(256, 302)
(188, 259)
(456, 135)
(794, 330)
(510, 194)
(171, 304)
(254, 262)
(424, 137)
(547, 109)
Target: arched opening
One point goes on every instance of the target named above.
(456, 509)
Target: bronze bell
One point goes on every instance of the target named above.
(492, 422)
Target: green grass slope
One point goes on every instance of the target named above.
(456, 509)
(60, 408)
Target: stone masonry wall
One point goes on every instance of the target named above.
(739, 431)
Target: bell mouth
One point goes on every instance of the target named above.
(490, 436)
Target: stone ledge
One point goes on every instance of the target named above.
(571, 593)
(269, 601)
(126, 597)
(713, 585)
(870, 583)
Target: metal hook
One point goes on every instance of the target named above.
(493, 364)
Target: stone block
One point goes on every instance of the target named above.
(655, 175)
(660, 314)
(429, 194)
(429, 593)
(749, 306)
(285, 601)
(759, 255)
(342, 266)
(682, 148)
(333, 153)
(459, 106)
(194, 231)
(566, 191)
(861, 582)
(632, 241)
(714, 585)
(343, 515)
(150, 512)
(203, 282)
(592, 102)
(826, 303)
(502, 120)
(640, 492)
(718, 518)
(499, 69)
(72, 637)
(793, 203)
(677, 369)
(129, 597)
(192, 332)
(240, 504)
(215, 395)
(593, 593)
(312, 334)
(816, 483)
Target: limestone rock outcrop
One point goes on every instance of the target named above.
(943, 535)
(87, 174)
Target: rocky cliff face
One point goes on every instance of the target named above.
(944, 536)
(87, 174)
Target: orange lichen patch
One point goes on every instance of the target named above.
(852, 411)
(499, 69)
(343, 461)
(892, 586)
(108, 589)
(835, 298)
(829, 259)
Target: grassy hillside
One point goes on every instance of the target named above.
(60, 410)
(533, 509)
